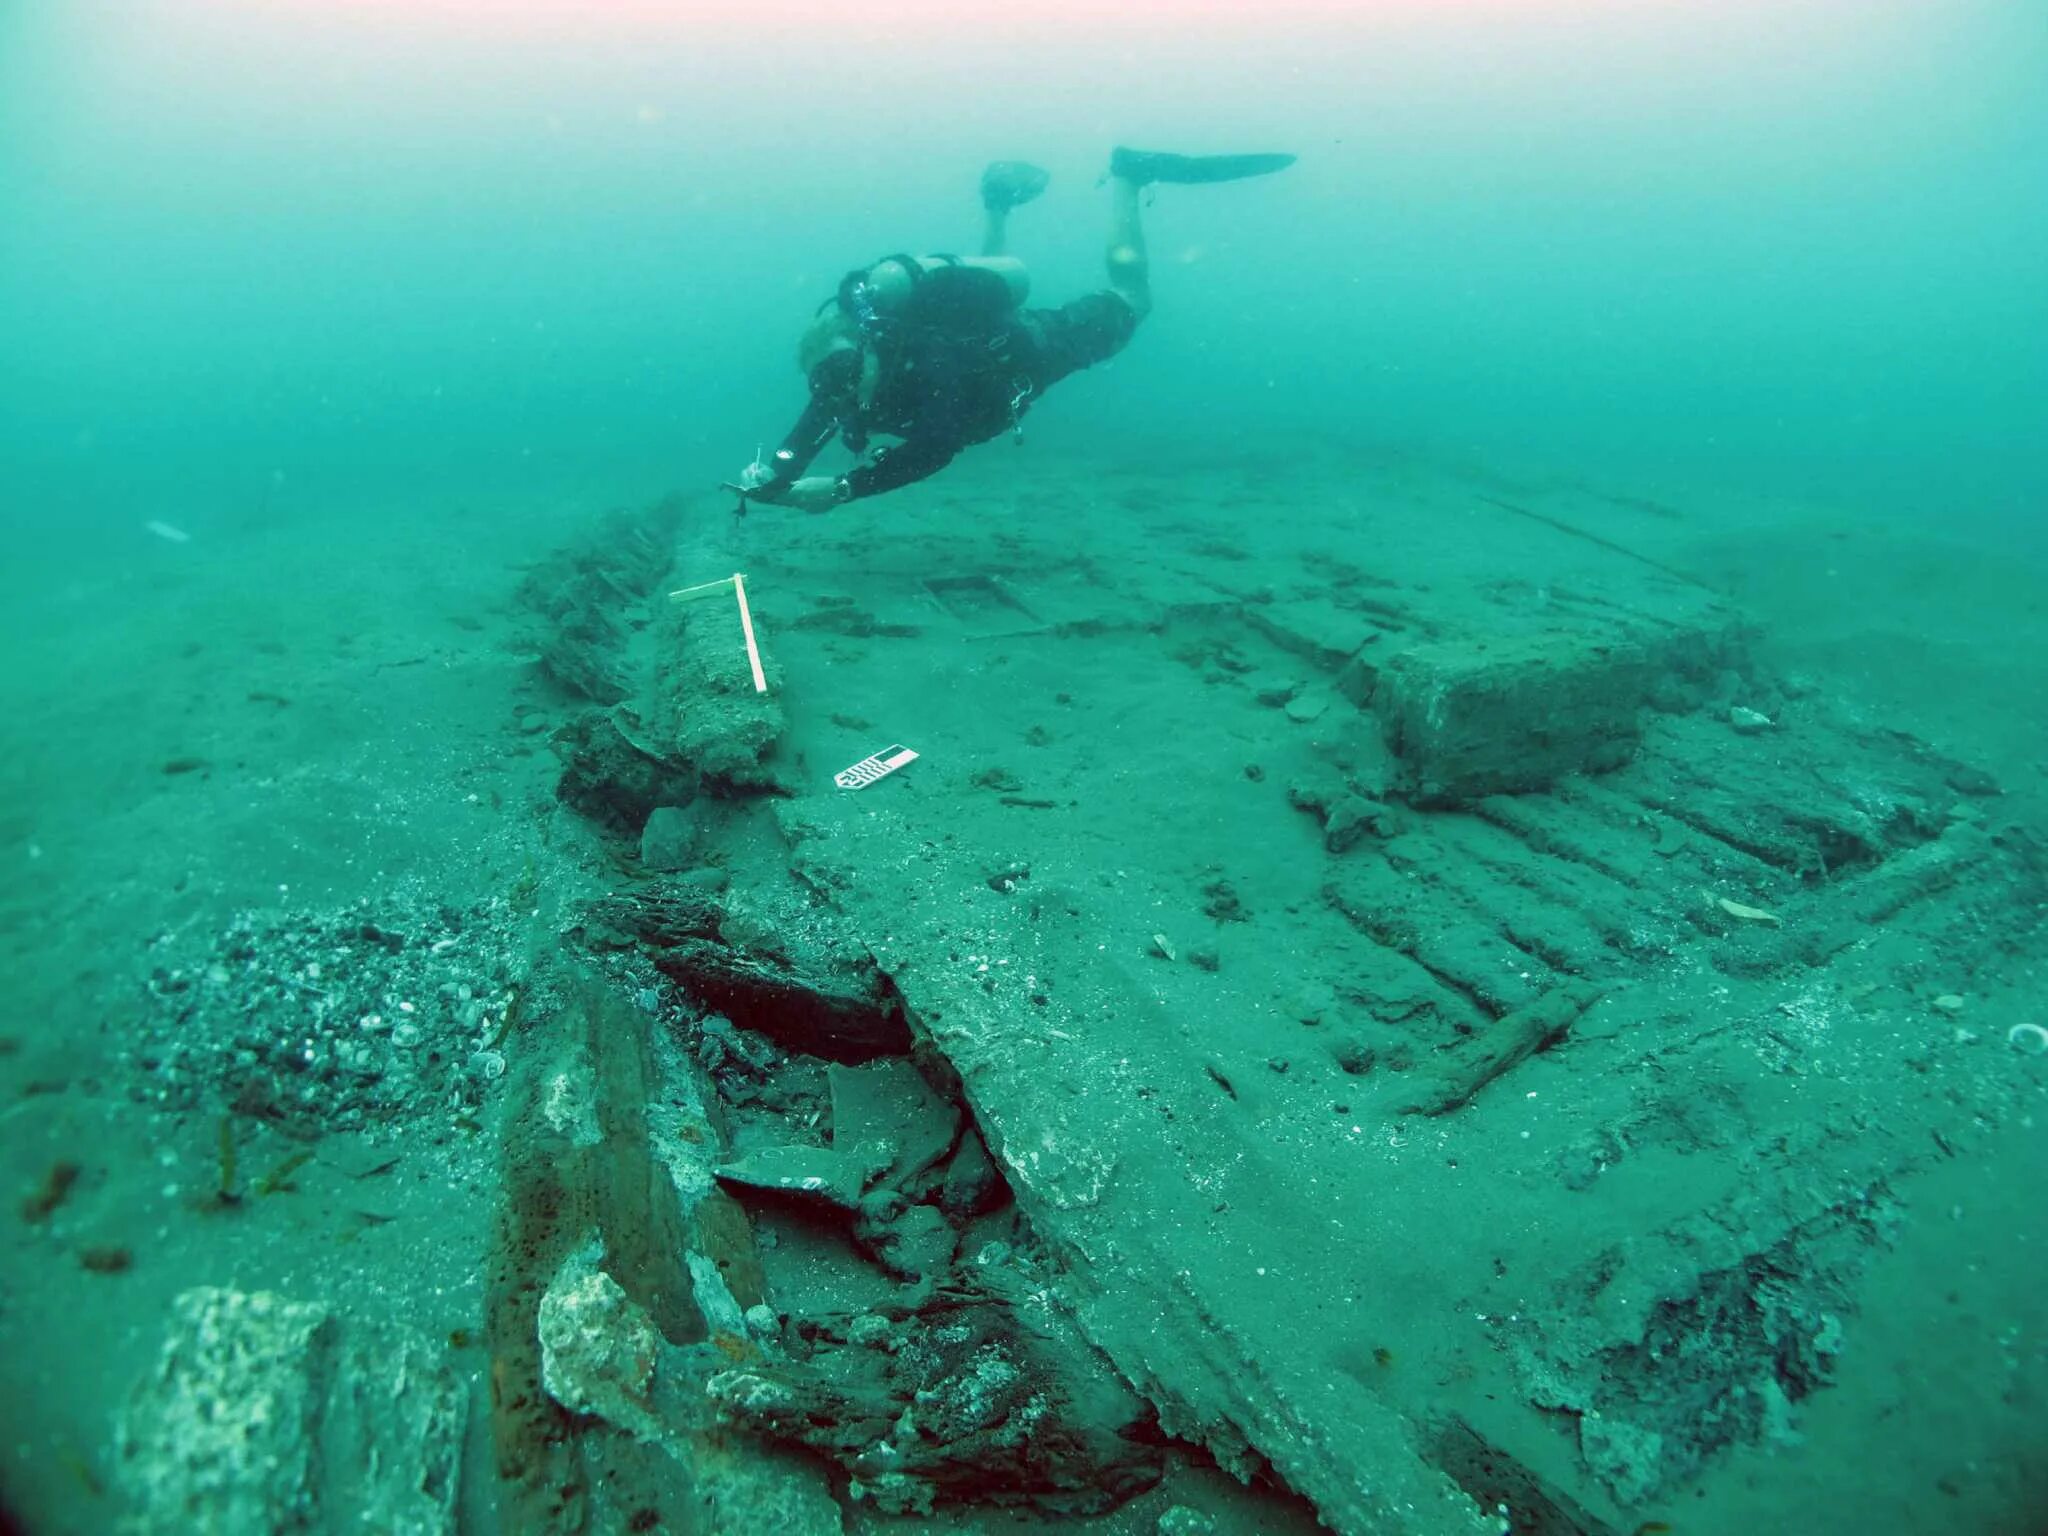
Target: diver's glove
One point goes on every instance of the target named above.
(814, 493)
(756, 482)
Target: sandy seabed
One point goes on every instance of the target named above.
(318, 753)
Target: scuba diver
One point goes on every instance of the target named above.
(940, 353)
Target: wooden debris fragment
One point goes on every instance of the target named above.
(1508, 1041)
(1737, 910)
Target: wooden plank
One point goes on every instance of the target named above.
(1225, 1312)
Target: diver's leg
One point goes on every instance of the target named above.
(1130, 274)
(1007, 184)
(1097, 326)
(995, 232)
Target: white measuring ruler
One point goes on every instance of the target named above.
(869, 769)
(739, 585)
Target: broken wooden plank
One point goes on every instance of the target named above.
(1457, 1076)
(1230, 1338)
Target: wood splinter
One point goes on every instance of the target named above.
(1504, 1044)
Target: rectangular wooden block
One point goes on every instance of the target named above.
(1473, 717)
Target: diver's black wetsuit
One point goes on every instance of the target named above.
(957, 365)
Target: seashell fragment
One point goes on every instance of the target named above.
(1948, 1002)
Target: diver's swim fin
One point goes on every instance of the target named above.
(1147, 166)
(1007, 183)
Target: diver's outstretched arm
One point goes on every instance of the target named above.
(912, 459)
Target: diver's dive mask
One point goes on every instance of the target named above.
(856, 300)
